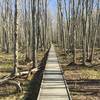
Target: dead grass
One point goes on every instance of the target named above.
(7, 92)
(84, 97)
(80, 72)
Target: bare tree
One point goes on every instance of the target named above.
(34, 39)
(16, 39)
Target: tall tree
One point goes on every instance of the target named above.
(16, 38)
(34, 38)
(84, 20)
(73, 32)
(96, 31)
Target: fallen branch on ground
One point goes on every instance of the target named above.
(11, 79)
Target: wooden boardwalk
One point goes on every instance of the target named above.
(52, 86)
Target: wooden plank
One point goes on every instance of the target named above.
(52, 86)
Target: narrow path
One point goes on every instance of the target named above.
(52, 86)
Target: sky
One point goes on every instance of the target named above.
(52, 5)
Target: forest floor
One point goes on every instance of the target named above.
(83, 81)
(8, 91)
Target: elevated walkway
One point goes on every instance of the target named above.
(53, 86)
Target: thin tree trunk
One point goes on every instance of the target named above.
(15, 39)
(33, 35)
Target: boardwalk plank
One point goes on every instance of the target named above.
(52, 86)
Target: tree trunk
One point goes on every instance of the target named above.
(34, 38)
(15, 39)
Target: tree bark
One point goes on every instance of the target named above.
(15, 39)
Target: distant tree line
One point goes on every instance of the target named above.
(78, 27)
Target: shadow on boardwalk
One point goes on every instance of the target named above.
(35, 83)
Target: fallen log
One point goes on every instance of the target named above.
(26, 72)
(17, 84)
(85, 90)
(11, 79)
